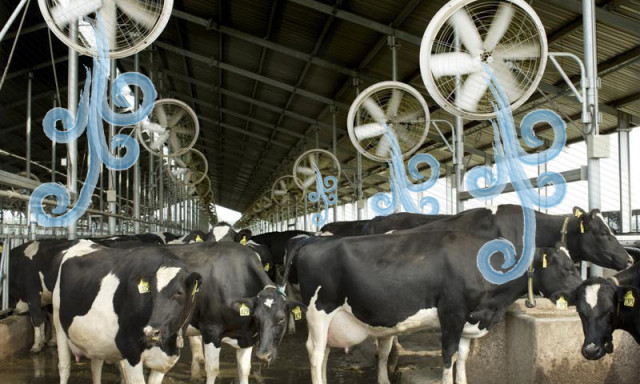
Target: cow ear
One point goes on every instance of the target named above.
(629, 297)
(244, 307)
(194, 283)
(568, 295)
(296, 308)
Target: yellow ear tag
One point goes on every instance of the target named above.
(544, 260)
(266, 267)
(297, 313)
(244, 310)
(561, 303)
(578, 213)
(196, 289)
(581, 227)
(143, 286)
(198, 239)
(629, 300)
(244, 240)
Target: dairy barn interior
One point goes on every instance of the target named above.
(411, 176)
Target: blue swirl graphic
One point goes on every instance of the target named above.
(383, 204)
(329, 184)
(90, 114)
(509, 158)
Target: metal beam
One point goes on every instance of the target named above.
(243, 72)
(603, 16)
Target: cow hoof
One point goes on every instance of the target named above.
(52, 344)
(196, 371)
(36, 348)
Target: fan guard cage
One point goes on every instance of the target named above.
(522, 48)
(196, 168)
(304, 174)
(409, 124)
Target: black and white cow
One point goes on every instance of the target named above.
(634, 253)
(265, 257)
(384, 285)
(399, 221)
(122, 306)
(277, 241)
(588, 237)
(344, 228)
(238, 305)
(605, 305)
(33, 269)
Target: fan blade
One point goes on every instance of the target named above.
(313, 159)
(409, 116)
(156, 143)
(499, 26)
(452, 64)
(507, 80)
(403, 134)
(145, 17)
(467, 32)
(175, 119)
(367, 131)
(67, 12)
(308, 182)
(108, 13)
(161, 115)
(471, 92)
(283, 185)
(280, 193)
(518, 51)
(180, 130)
(382, 150)
(174, 143)
(306, 171)
(325, 162)
(394, 103)
(374, 109)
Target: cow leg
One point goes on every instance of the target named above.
(243, 358)
(132, 374)
(316, 347)
(38, 337)
(197, 356)
(384, 348)
(452, 320)
(324, 364)
(64, 353)
(52, 341)
(96, 370)
(211, 362)
(155, 377)
(461, 369)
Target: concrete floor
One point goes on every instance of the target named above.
(291, 367)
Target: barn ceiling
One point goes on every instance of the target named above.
(265, 78)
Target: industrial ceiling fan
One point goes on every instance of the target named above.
(189, 168)
(131, 25)
(304, 169)
(285, 192)
(171, 122)
(467, 37)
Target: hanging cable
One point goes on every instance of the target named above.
(53, 65)
(15, 42)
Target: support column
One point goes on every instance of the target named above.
(459, 165)
(391, 41)
(111, 193)
(72, 147)
(359, 201)
(31, 220)
(625, 171)
(136, 166)
(591, 67)
(334, 111)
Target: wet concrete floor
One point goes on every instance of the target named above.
(291, 367)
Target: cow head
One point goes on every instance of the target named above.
(173, 301)
(266, 258)
(270, 310)
(601, 304)
(554, 271)
(596, 242)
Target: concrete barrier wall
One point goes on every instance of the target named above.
(16, 336)
(542, 346)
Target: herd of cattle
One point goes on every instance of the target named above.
(132, 300)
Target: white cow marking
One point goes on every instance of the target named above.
(161, 236)
(327, 233)
(45, 296)
(21, 307)
(157, 360)
(605, 223)
(592, 295)
(220, 231)
(84, 247)
(83, 338)
(179, 240)
(268, 303)
(164, 276)
(566, 252)
(389, 232)
(31, 250)
(231, 342)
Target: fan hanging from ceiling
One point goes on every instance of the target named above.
(189, 168)
(400, 108)
(171, 129)
(131, 25)
(285, 192)
(467, 36)
(304, 173)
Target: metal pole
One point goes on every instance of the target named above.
(12, 18)
(136, 167)
(72, 148)
(161, 194)
(458, 149)
(625, 172)
(591, 66)
(359, 202)
(334, 112)
(111, 193)
(391, 41)
(30, 220)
